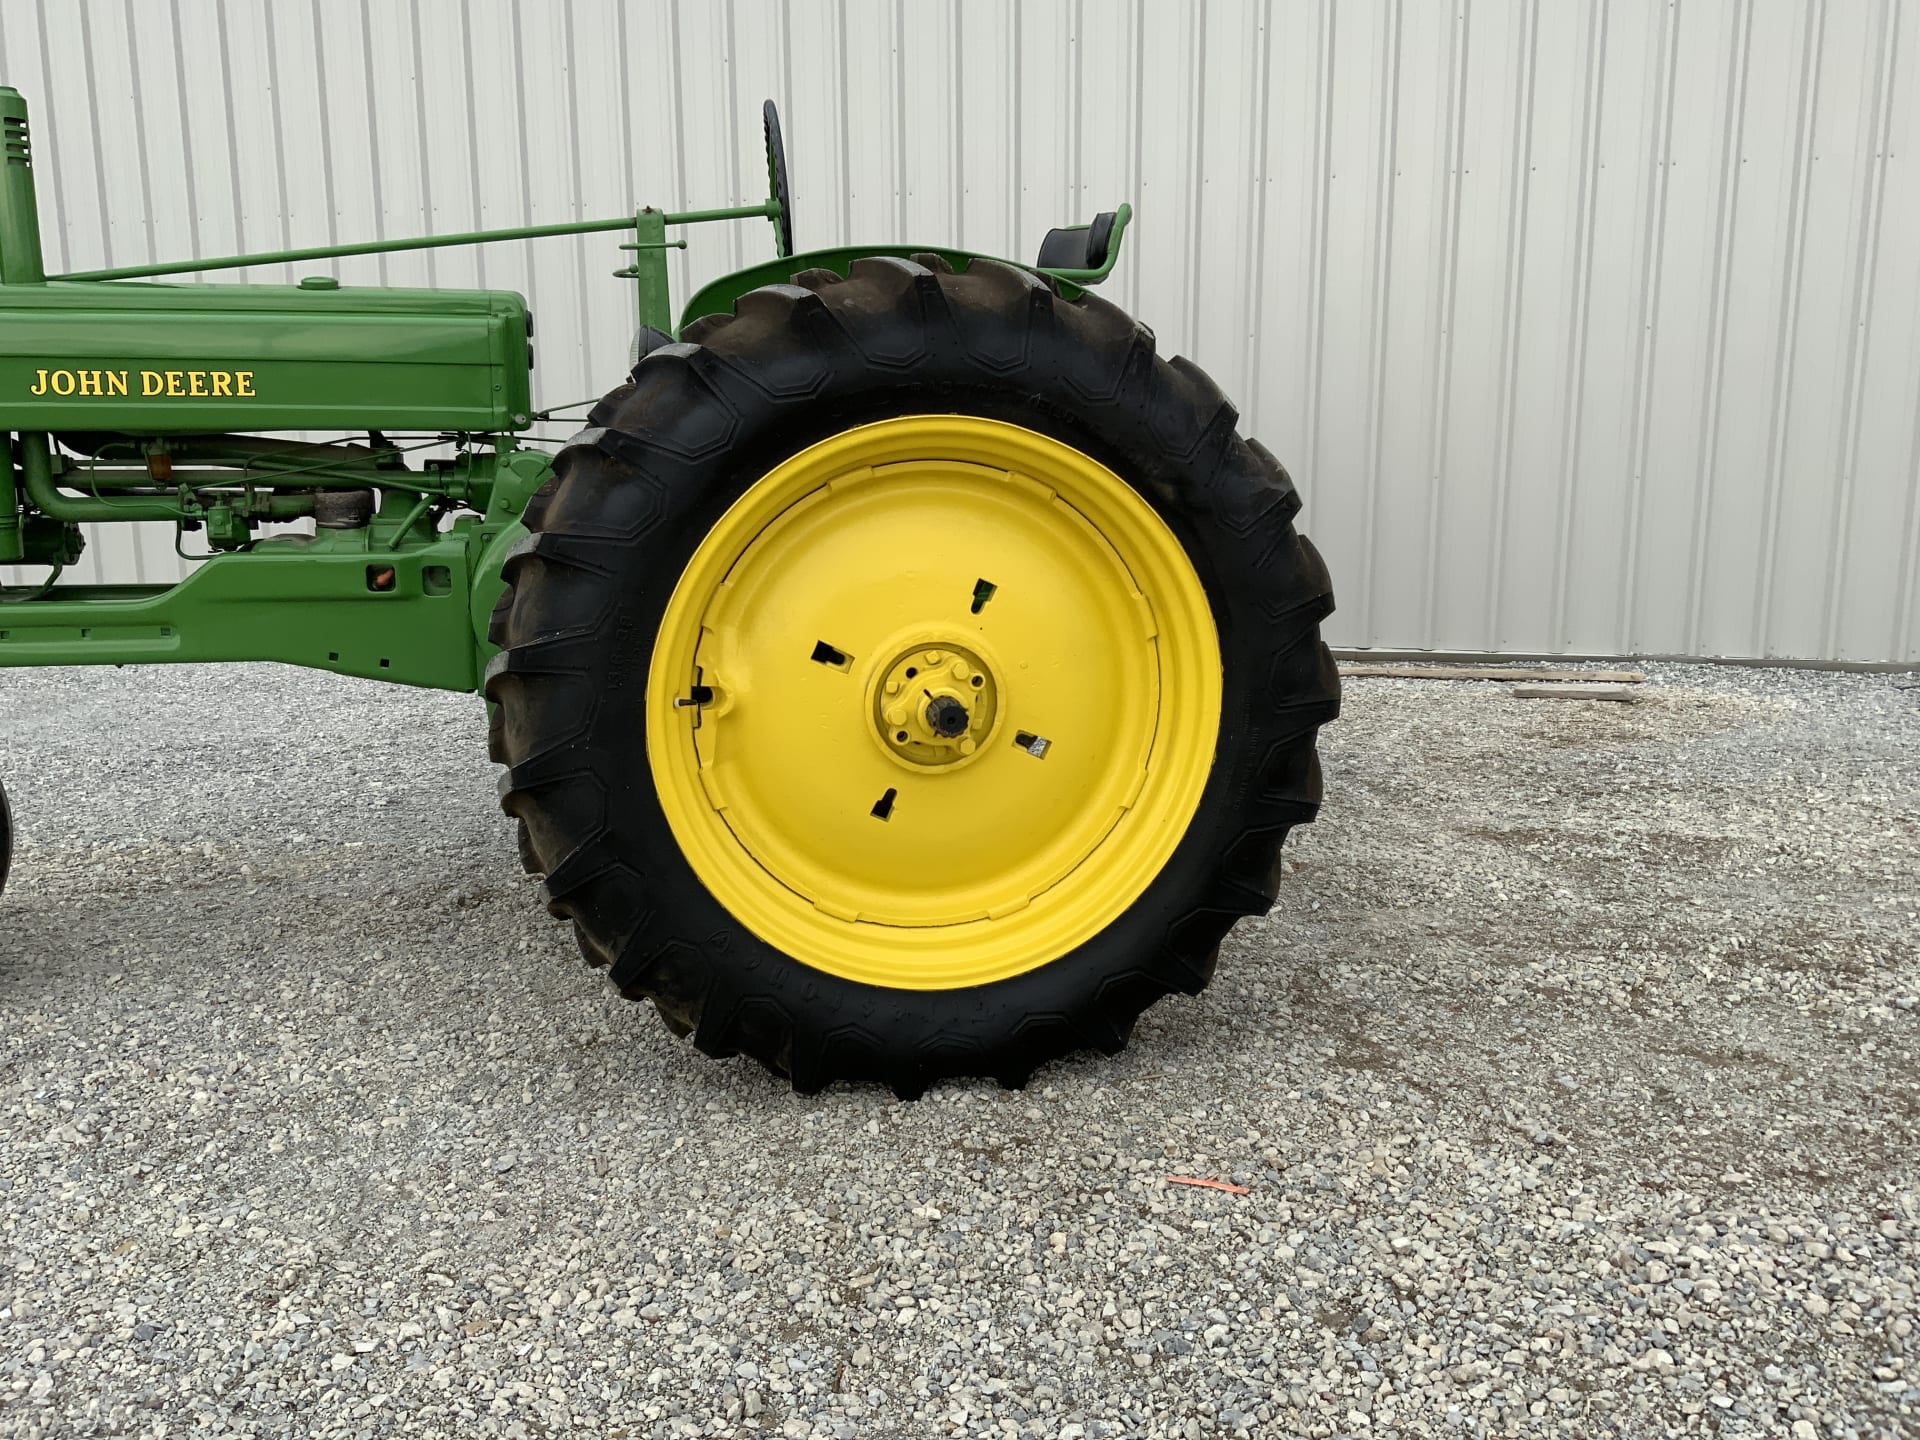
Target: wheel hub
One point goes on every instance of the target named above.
(935, 705)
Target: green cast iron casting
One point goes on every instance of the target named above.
(119, 396)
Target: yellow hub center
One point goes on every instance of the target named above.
(935, 706)
(933, 702)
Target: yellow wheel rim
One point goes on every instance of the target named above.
(933, 702)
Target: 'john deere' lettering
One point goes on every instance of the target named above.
(154, 384)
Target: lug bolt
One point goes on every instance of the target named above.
(934, 657)
(897, 715)
(967, 746)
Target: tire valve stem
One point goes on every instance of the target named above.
(699, 695)
(883, 807)
(1035, 745)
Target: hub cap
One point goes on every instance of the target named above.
(933, 702)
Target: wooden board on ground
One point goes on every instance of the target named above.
(1619, 694)
(1490, 672)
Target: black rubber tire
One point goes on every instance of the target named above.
(664, 456)
(6, 839)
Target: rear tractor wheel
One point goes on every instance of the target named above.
(911, 676)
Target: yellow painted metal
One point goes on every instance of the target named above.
(920, 553)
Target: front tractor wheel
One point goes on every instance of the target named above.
(910, 676)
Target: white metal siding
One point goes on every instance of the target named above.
(1584, 327)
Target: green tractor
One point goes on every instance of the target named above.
(906, 673)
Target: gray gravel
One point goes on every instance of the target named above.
(1574, 1087)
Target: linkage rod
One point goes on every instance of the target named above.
(419, 242)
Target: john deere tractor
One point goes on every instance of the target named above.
(905, 673)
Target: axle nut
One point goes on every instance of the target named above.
(947, 717)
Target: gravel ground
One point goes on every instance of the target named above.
(1574, 1088)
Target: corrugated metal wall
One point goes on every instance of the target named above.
(1585, 327)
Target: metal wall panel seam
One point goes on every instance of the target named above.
(1513, 311)
(57, 221)
(899, 79)
(1256, 242)
(327, 188)
(373, 141)
(140, 134)
(682, 264)
(569, 43)
(1196, 165)
(1014, 137)
(1077, 121)
(98, 137)
(1322, 203)
(475, 177)
(623, 46)
(1811, 46)
(237, 185)
(420, 133)
(186, 131)
(1866, 268)
(1653, 255)
(1906, 590)
(1726, 215)
(959, 176)
(1591, 115)
(375, 172)
(274, 112)
(1382, 296)
(1137, 148)
(736, 234)
(786, 85)
(1459, 40)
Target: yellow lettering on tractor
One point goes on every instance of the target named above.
(154, 384)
